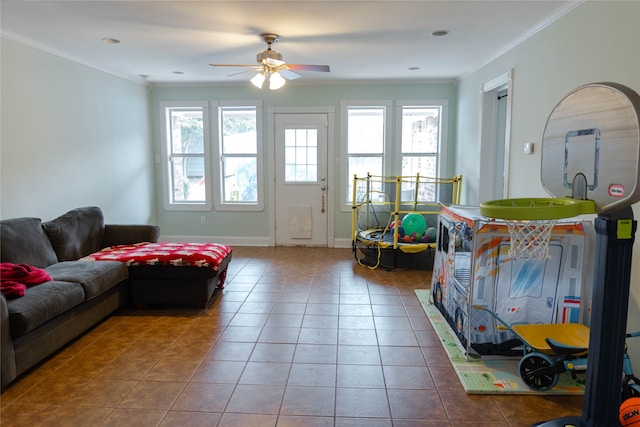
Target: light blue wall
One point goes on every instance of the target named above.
(295, 94)
(72, 136)
(598, 41)
(75, 136)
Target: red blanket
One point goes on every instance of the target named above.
(180, 254)
(16, 278)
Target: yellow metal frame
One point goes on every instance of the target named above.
(397, 204)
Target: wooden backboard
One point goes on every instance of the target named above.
(594, 134)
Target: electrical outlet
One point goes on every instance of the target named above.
(203, 220)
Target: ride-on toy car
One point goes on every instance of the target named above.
(548, 350)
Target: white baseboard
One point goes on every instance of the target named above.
(227, 240)
(240, 241)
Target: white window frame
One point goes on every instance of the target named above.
(219, 203)
(441, 155)
(167, 189)
(344, 131)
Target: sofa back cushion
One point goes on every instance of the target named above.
(23, 241)
(77, 233)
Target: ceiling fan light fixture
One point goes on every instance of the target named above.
(258, 80)
(276, 81)
(270, 64)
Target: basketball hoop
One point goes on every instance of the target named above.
(530, 221)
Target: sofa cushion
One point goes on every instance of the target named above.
(22, 241)
(41, 303)
(77, 233)
(95, 277)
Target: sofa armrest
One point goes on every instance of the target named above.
(7, 355)
(118, 234)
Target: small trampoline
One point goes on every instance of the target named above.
(394, 219)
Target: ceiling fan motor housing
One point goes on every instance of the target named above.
(268, 54)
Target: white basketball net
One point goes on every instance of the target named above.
(530, 239)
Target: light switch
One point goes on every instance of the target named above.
(528, 148)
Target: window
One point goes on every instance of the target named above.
(420, 128)
(185, 141)
(365, 137)
(419, 146)
(240, 150)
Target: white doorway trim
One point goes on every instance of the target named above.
(271, 161)
(488, 155)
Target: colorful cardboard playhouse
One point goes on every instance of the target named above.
(472, 267)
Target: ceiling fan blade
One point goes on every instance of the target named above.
(323, 68)
(289, 75)
(233, 65)
(243, 72)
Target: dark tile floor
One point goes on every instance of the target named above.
(299, 337)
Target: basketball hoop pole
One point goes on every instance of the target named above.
(584, 149)
(614, 247)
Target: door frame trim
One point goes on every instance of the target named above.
(332, 182)
(486, 148)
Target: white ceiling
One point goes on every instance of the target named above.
(363, 40)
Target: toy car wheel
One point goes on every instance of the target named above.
(533, 373)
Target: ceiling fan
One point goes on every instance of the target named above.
(271, 66)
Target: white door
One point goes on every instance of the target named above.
(301, 185)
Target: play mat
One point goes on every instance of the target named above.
(487, 374)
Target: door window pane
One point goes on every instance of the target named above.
(301, 155)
